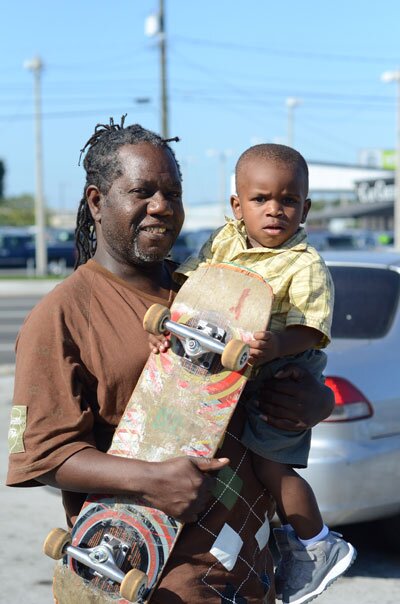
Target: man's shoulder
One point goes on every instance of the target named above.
(72, 294)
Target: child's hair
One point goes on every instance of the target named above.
(102, 167)
(273, 152)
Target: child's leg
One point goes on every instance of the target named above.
(294, 497)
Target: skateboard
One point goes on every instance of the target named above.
(181, 405)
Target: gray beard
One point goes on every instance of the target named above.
(141, 257)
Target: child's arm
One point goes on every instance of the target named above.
(268, 346)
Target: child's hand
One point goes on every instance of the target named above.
(264, 347)
(158, 343)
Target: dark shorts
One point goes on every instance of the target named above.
(291, 448)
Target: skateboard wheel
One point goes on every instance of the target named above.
(134, 585)
(153, 320)
(235, 355)
(55, 543)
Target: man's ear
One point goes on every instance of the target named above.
(236, 207)
(306, 209)
(93, 197)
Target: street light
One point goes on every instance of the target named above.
(291, 104)
(387, 77)
(35, 65)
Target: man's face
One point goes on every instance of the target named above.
(142, 213)
(271, 199)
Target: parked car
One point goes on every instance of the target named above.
(354, 464)
(350, 239)
(15, 244)
(188, 243)
(17, 248)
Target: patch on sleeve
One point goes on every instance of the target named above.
(17, 429)
(227, 546)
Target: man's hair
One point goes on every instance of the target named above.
(102, 166)
(275, 153)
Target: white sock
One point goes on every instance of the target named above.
(321, 535)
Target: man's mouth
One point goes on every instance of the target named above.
(155, 230)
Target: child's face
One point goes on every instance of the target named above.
(272, 201)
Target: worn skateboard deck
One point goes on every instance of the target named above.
(178, 407)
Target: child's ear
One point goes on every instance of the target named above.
(236, 207)
(306, 209)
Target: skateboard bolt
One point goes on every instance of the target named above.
(100, 554)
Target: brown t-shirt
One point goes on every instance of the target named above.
(80, 353)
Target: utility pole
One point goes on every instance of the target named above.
(394, 76)
(155, 26)
(36, 66)
(163, 73)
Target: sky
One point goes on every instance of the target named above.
(231, 66)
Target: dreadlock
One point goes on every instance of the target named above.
(102, 167)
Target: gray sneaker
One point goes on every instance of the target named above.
(315, 567)
(283, 567)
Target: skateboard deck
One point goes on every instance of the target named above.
(181, 405)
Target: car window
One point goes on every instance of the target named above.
(366, 301)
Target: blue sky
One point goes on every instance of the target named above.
(231, 67)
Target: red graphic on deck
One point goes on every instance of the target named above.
(238, 308)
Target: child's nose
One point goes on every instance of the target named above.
(274, 208)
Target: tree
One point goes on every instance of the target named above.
(17, 211)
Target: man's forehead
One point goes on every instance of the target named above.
(144, 160)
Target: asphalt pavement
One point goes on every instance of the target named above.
(27, 515)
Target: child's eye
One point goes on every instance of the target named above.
(289, 201)
(260, 198)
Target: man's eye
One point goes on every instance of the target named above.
(141, 191)
(176, 195)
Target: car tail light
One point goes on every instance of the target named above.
(350, 403)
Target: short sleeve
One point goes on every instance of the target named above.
(311, 295)
(51, 417)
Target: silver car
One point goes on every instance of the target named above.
(354, 464)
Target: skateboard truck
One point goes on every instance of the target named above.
(198, 341)
(104, 559)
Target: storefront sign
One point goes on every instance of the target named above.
(376, 191)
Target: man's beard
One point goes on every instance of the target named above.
(141, 257)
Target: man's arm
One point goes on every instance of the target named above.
(181, 487)
(294, 399)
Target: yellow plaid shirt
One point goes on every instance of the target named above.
(302, 285)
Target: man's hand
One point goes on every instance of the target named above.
(294, 399)
(182, 487)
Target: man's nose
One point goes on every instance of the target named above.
(159, 204)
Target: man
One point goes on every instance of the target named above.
(80, 354)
